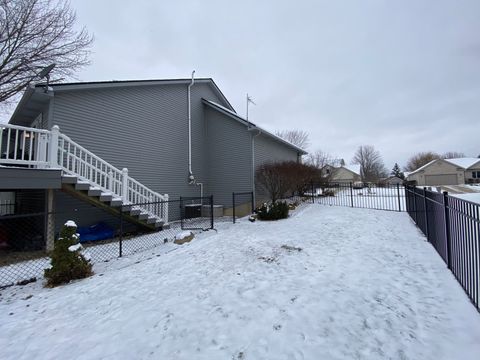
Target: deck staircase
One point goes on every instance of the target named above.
(84, 175)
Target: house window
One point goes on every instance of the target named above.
(476, 174)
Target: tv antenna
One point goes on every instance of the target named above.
(249, 101)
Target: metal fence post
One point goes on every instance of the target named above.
(313, 194)
(447, 230)
(181, 212)
(398, 195)
(351, 194)
(253, 205)
(120, 238)
(233, 206)
(211, 212)
(425, 202)
(414, 190)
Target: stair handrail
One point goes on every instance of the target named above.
(41, 148)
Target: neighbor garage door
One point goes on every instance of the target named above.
(441, 179)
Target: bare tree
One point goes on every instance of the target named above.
(296, 137)
(453, 155)
(34, 34)
(371, 164)
(420, 159)
(324, 162)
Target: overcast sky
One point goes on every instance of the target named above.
(403, 76)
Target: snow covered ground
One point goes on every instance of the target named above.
(327, 283)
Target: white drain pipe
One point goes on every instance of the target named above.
(191, 178)
(253, 161)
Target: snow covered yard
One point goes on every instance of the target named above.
(327, 283)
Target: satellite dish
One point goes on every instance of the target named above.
(46, 71)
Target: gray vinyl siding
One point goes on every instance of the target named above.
(25, 178)
(142, 128)
(229, 157)
(270, 150)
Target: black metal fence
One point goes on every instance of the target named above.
(105, 235)
(369, 196)
(242, 204)
(452, 226)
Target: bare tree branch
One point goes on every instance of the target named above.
(453, 155)
(296, 137)
(420, 159)
(34, 34)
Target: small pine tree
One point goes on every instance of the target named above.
(68, 263)
(397, 172)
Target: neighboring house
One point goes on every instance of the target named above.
(392, 180)
(143, 126)
(345, 173)
(447, 172)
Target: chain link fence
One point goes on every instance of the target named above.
(26, 238)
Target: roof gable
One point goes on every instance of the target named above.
(464, 163)
(247, 123)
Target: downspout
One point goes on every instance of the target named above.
(253, 162)
(191, 178)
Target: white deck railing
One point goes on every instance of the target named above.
(39, 148)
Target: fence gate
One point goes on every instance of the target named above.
(196, 213)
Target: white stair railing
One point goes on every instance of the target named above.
(23, 146)
(43, 148)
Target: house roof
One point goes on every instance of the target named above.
(247, 123)
(355, 168)
(423, 167)
(464, 163)
(34, 98)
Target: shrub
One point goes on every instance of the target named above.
(275, 211)
(278, 179)
(68, 263)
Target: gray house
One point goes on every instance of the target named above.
(120, 143)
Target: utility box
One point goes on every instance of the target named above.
(193, 211)
(217, 210)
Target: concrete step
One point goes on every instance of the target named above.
(116, 202)
(69, 179)
(82, 185)
(94, 191)
(143, 215)
(135, 211)
(161, 223)
(126, 208)
(106, 197)
(152, 219)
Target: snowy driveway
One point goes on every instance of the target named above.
(364, 286)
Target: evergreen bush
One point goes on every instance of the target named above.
(275, 211)
(67, 261)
